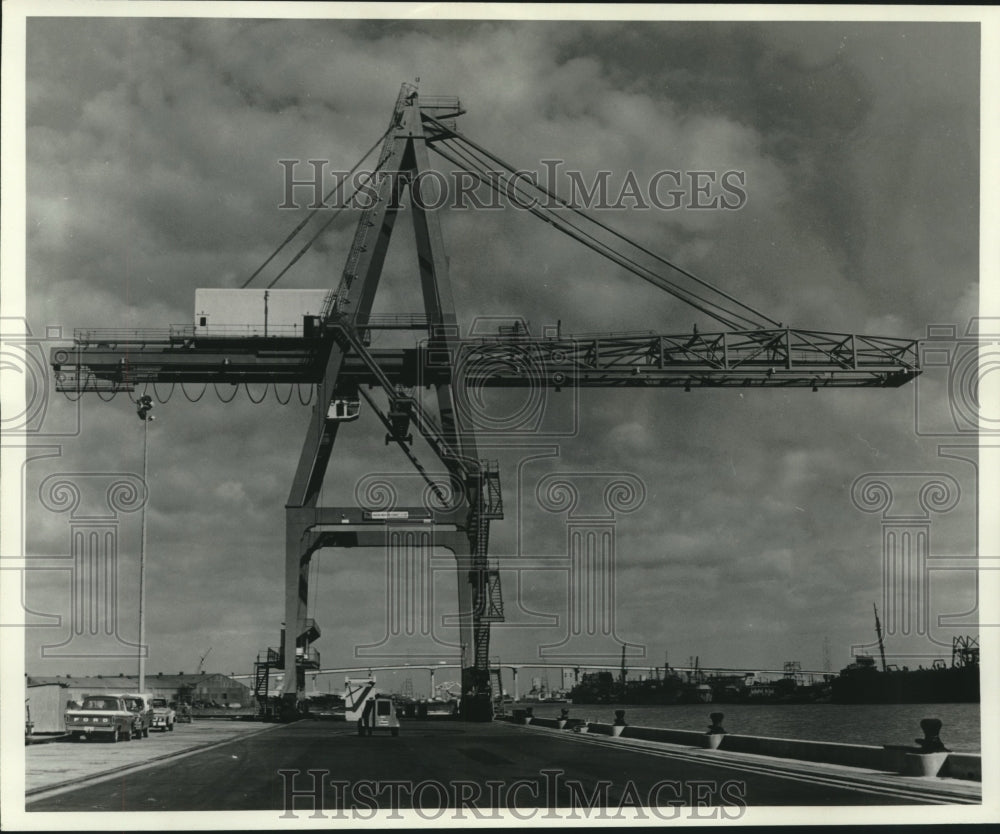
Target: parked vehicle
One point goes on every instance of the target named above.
(101, 715)
(379, 714)
(141, 705)
(164, 716)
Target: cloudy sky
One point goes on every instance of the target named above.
(152, 170)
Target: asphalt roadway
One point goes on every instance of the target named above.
(434, 766)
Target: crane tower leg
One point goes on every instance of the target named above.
(403, 159)
(297, 560)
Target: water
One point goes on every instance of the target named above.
(874, 724)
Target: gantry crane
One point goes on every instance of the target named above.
(333, 352)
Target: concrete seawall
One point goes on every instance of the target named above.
(889, 758)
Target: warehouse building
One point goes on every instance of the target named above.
(206, 689)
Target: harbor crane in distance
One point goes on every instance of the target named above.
(332, 351)
(201, 660)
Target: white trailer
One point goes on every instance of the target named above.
(244, 313)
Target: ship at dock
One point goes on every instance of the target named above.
(665, 685)
(675, 687)
(863, 682)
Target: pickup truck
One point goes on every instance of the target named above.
(101, 715)
(140, 703)
(164, 717)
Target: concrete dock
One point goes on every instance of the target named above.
(64, 763)
(318, 769)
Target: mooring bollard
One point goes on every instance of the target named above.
(931, 742)
(933, 753)
(563, 718)
(619, 726)
(713, 738)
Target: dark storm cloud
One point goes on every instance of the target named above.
(853, 141)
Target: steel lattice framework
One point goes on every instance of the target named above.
(119, 360)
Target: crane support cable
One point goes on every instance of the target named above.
(602, 248)
(508, 167)
(630, 264)
(682, 293)
(324, 227)
(645, 250)
(561, 223)
(312, 213)
(687, 296)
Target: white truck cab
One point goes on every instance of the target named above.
(379, 714)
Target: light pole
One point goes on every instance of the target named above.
(143, 407)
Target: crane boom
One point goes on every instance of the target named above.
(105, 360)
